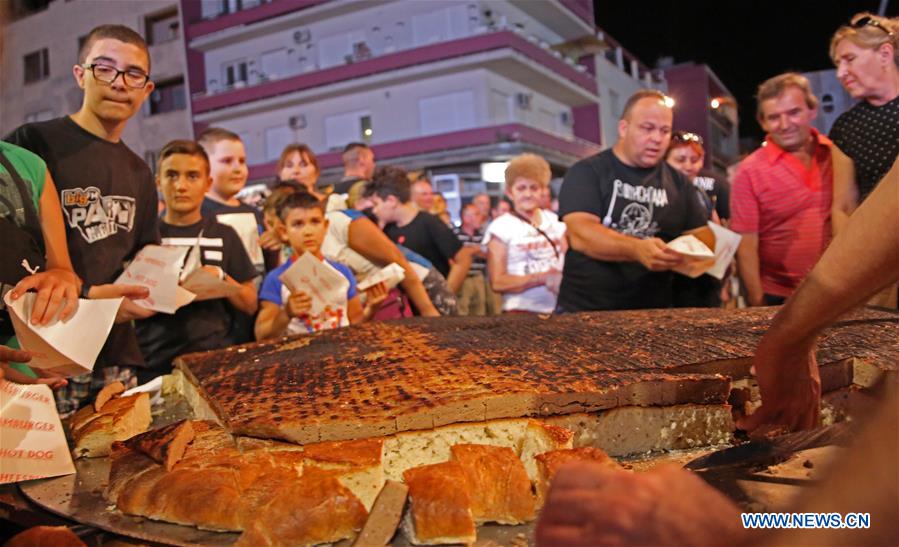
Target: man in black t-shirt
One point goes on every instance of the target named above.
(620, 207)
(107, 193)
(417, 230)
(183, 178)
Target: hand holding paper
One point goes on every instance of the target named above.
(655, 255)
(66, 348)
(696, 245)
(325, 287)
(207, 286)
(698, 258)
(392, 275)
(158, 268)
(298, 305)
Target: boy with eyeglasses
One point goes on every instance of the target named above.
(107, 192)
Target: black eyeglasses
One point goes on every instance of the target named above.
(133, 78)
(686, 137)
(868, 20)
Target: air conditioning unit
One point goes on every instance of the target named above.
(297, 122)
(523, 101)
(565, 118)
(302, 36)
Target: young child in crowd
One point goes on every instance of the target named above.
(183, 178)
(229, 171)
(228, 168)
(304, 226)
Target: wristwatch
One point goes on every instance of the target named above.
(85, 290)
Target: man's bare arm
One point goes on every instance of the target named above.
(861, 260)
(587, 235)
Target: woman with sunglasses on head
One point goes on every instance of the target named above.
(686, 154)
(866, 137)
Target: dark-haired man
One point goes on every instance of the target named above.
(183, 179)
(782, 194)
(620, 207)
(420, 231)
(108, 198)
(358, 165)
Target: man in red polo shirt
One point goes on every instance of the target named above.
(781, 194)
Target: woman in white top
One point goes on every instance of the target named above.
(526, 246)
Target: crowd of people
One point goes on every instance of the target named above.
(817, 215)
(78, 205)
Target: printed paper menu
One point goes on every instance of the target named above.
(325, 286)
(34, 445)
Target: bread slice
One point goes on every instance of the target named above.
(209, 498)
(121, 418)
(384, 516)
(166, 445)
(498, 484)
(549, 463)
(313, 509)
(425, 447)
(541, 437)
(440, 505)
(639, 429)
(126, 465)
(358, 465)
(108, 392)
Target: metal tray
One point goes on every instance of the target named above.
(80, 497)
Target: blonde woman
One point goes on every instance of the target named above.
(526, 246)
(866, 54)
(866, 137)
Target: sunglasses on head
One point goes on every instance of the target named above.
(686, 137)
(862, 22)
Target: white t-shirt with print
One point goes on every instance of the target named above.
(527, 252)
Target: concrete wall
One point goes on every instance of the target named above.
(58, 28)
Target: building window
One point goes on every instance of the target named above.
(827, 103)
(163, 27)
(39, 116)
(37, 66)
(445, 113)
(168, 97)
(234, 74)
(343, 128)
(365, 129)
(233, 6)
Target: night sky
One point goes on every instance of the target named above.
(744, 42)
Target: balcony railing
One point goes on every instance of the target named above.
(365, 62)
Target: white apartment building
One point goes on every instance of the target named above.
(438, 84)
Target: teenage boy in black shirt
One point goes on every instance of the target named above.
(183, 178)
(620, 207)
(107, 193)
(422, 232)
